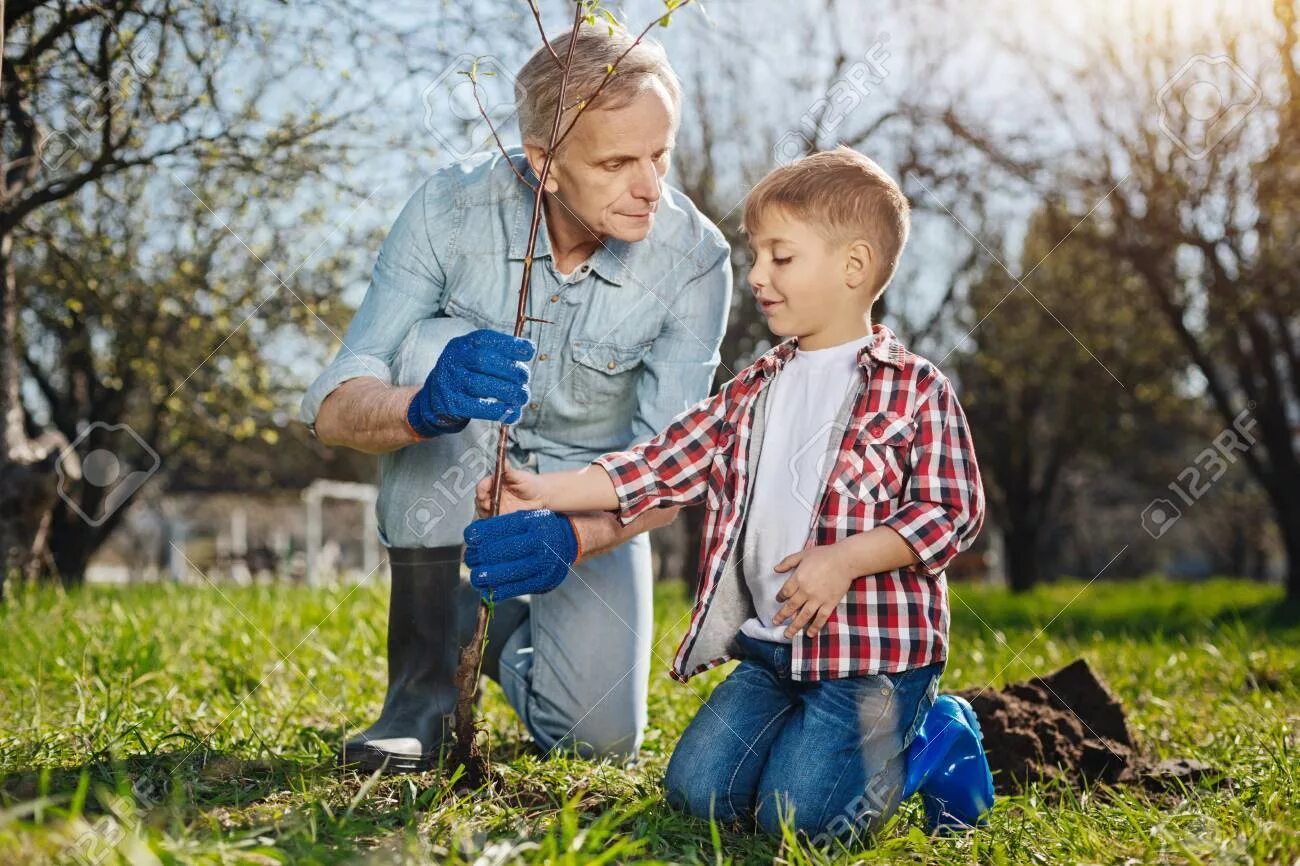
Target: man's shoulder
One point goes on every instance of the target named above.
(478, 179)
(684, 232)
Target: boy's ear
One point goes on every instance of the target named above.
(859, 264)
(536, 155)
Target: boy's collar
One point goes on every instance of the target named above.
(884, 348)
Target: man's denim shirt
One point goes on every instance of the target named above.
(633, 336)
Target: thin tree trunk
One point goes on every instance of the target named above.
(1021, 538)
(1288, 522)
(27, 477)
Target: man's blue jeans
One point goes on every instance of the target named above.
(827, 756)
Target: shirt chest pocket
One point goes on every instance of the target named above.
(481, 314)
(606, 373)
(876, 467)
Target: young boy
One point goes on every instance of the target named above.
(840, 479)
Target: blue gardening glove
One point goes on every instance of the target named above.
(519, 553)
(482, 374)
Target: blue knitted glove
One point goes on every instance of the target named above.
(519, 553)
(482, 374)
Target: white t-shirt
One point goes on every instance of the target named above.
(801, 416)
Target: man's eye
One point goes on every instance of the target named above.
(780, 261)
(613, 166)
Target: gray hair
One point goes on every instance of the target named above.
(537, 87)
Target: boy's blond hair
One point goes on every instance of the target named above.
(846, 195)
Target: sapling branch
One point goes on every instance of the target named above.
(467, 753)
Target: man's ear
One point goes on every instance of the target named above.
(536, 155)
(859, 264)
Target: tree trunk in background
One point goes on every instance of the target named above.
(1021, 539)
(27, 479)
(1289, 526)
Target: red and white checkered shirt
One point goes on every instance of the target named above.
(906, 461)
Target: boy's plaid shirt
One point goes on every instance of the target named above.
(905, 460)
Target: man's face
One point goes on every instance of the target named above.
(798, 277)
(610, 170)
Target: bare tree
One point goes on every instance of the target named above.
(91, 93)
(1185, 163)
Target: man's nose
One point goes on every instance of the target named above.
(646, 185)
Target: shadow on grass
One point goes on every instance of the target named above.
(198, 778)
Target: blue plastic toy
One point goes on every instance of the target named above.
(947, 764)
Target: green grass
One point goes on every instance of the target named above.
(183, 698)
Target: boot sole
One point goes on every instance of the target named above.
(369, 760)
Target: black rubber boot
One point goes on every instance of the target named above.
(430, 614)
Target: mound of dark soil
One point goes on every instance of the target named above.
(1067, 726)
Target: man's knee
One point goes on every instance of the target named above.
(612, 729)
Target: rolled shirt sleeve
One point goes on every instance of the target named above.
(407, 285)
(942, 506)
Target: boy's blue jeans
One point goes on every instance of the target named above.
(828, 756)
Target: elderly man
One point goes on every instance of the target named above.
(634, 285)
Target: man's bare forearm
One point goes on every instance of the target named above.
(601, 531)
(367, 415)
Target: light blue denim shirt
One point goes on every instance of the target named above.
(633, 336)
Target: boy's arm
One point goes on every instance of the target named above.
(601, 531)
(673, 467)
(670, 469)
(823, 575)
(942, 507)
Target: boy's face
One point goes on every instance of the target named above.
(806, 286)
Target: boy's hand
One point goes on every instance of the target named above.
(520, 491)
(822, 577)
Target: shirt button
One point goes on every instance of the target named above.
(543, 356)
(554, 298)
(533, 406)
(610, 365)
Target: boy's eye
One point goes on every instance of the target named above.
(777, 260)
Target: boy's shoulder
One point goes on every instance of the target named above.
(910, 379)
(909, 370)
